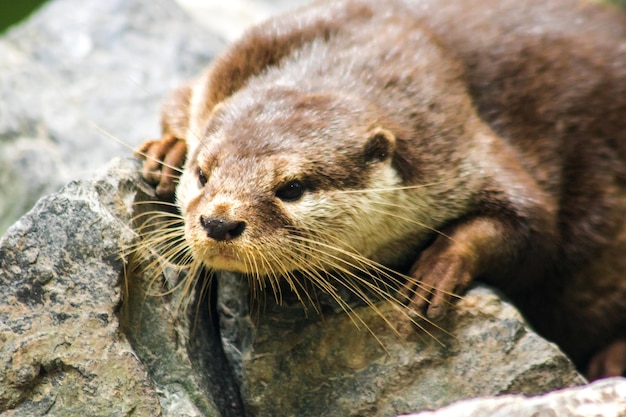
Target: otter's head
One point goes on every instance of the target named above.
(284, 180)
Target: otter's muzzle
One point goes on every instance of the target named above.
(222, 229)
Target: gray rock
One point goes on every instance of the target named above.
(606, 398)
(61, 350)
(232, 17)
(291, 363)
(69, 346)
(79, 73)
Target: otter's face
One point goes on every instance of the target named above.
(274, 188)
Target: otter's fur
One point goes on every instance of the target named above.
(449, 140)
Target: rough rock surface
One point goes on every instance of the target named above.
(68, 346)
(61, 351)
(331, 368)
(605, 398)
(77, 68)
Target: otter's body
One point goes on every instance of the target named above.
(451, 140)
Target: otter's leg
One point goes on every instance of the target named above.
(466, 250)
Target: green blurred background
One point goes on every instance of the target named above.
(12, 11)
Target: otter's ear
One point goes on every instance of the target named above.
(380, 145)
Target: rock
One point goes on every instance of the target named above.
(79, 72)
(606, 398)
(232, 17)
(62, 352)
(329, 367)
(67, 346)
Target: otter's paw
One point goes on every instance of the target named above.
(609, 362)
(163, 161)
(443, 270)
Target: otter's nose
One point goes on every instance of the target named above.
(222, 229)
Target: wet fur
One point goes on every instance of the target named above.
(503, 152)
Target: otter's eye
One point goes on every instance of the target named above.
(291, 191)
(201, 178)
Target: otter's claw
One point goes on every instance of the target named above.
(164, 159)
(440, 272)
(447, 267)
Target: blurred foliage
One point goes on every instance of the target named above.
(13, 11)
(620, 3)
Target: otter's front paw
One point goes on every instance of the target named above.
(464, 251)
(442, 271)
(164, 159)
(609, 362)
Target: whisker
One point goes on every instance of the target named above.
(337, 265)
(159, 203)
(366, 264)
(256, 281)
(115, 139)
(387, 272)
(407, 219)
(315, 278)
(391, 189)
(325, 285)
(140, 172)
(273, 278)
(159, 226)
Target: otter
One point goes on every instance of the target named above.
(447, 141)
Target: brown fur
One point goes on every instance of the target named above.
(515, 110)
